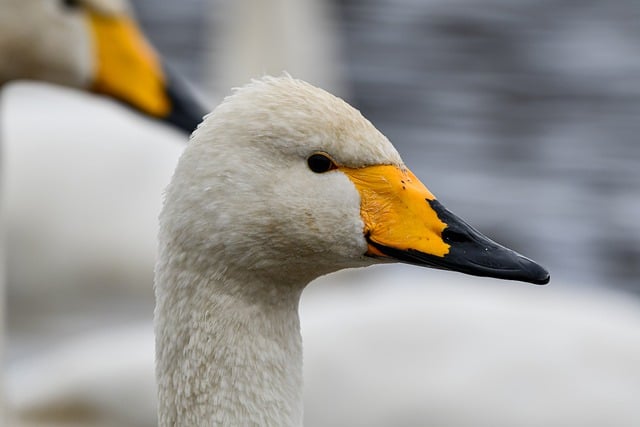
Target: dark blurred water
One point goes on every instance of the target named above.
(521, 115)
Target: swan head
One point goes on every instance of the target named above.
(286, 180)
(93, 45)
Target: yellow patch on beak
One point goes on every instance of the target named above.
(127, 67)
(395, 210)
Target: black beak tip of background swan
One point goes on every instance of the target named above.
(187, 110)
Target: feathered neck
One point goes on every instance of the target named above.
(228, 347)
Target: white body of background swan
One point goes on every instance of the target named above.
(54, 243)
(92, 45)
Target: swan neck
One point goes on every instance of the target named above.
(229, 352)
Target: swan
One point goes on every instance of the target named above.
(92, 45)
(97, 47)
(280, 184)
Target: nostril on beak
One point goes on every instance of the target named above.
(455, 236)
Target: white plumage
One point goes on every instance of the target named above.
(248, 221)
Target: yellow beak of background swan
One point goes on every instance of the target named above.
(404, 221)
(128, 69)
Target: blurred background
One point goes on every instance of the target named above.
(522, 116)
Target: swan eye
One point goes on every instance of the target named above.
(320, 162)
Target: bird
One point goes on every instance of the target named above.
(281, 184)
(93, 45)
(97, 47)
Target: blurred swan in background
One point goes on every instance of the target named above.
(81, 223)
(65, 171)
(93, 45)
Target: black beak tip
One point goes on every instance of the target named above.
(187, 110)
(544, 280)
(538, 275)
(503, 264)
(534, 273)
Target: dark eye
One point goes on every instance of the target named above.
(71, 4)
(320, 162)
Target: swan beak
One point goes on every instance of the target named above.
(128, 69)
(405, 222)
